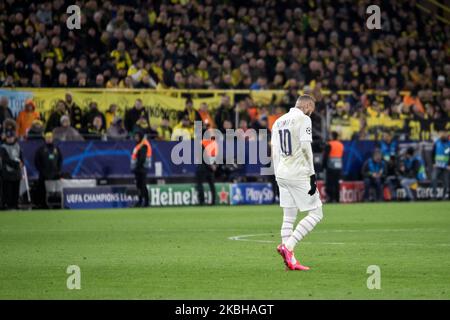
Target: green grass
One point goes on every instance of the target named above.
(185, 253)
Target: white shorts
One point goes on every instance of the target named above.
(294, 194)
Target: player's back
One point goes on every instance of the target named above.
(288, 132)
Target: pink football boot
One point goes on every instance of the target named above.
(300, 267)
(289, 259)
(288, 256)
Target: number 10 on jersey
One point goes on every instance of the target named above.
(285, 141)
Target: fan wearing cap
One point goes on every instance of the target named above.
(26, 117)
(11, 169)
(48, 162)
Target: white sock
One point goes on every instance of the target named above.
(304, 227)
(289, 217)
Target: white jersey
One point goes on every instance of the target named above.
(288, 133)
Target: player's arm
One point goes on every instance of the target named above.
(305, 145)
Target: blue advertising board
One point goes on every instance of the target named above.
(111, 159)
(251, 193)
(98, 197)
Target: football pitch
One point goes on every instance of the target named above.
(225, 253)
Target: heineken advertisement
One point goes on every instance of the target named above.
(186, 194)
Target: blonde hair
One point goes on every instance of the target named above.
(304, 100)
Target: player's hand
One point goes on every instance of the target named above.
(312, 182)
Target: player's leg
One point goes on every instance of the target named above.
(289, 217)
(305, 226)
(289, 212)
(290, 209)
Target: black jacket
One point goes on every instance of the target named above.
(48, 161)
(132, 116)
(5, 113)
(76, 116)
(10, 162)
(89, 117)
(140, 161)
(224, 113)
(54, 121)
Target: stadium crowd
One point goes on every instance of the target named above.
(365, 82)
(255, 45)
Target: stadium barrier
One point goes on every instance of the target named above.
(167, 195)
(97, 159)
(111, 159)
(185, 194)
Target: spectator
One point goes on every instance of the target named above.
(95, 129)
(412, 99)
(279, 111)
(36, 131)
(134, 114)
(66, 132)
(392, 177)
(441, 163)
(244, 132)
(11, 169)
(224, 113)
(90, 115)
(111, 114)
(26, 118)
(116, 130)
(143, 126)
(260, 84)
(206, 116)
(411, 170)
(5, 112)
(55, 117)
(183, 131)
(121, 57)
(388, 146)
(75, 112)
(190, 112)
(48, 162)
(164, 130)
(373, 171)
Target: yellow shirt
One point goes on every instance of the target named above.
(187, 133)
(122, 60)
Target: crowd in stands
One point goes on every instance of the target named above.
(391, 168)
(68, 121)
(256, 44)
